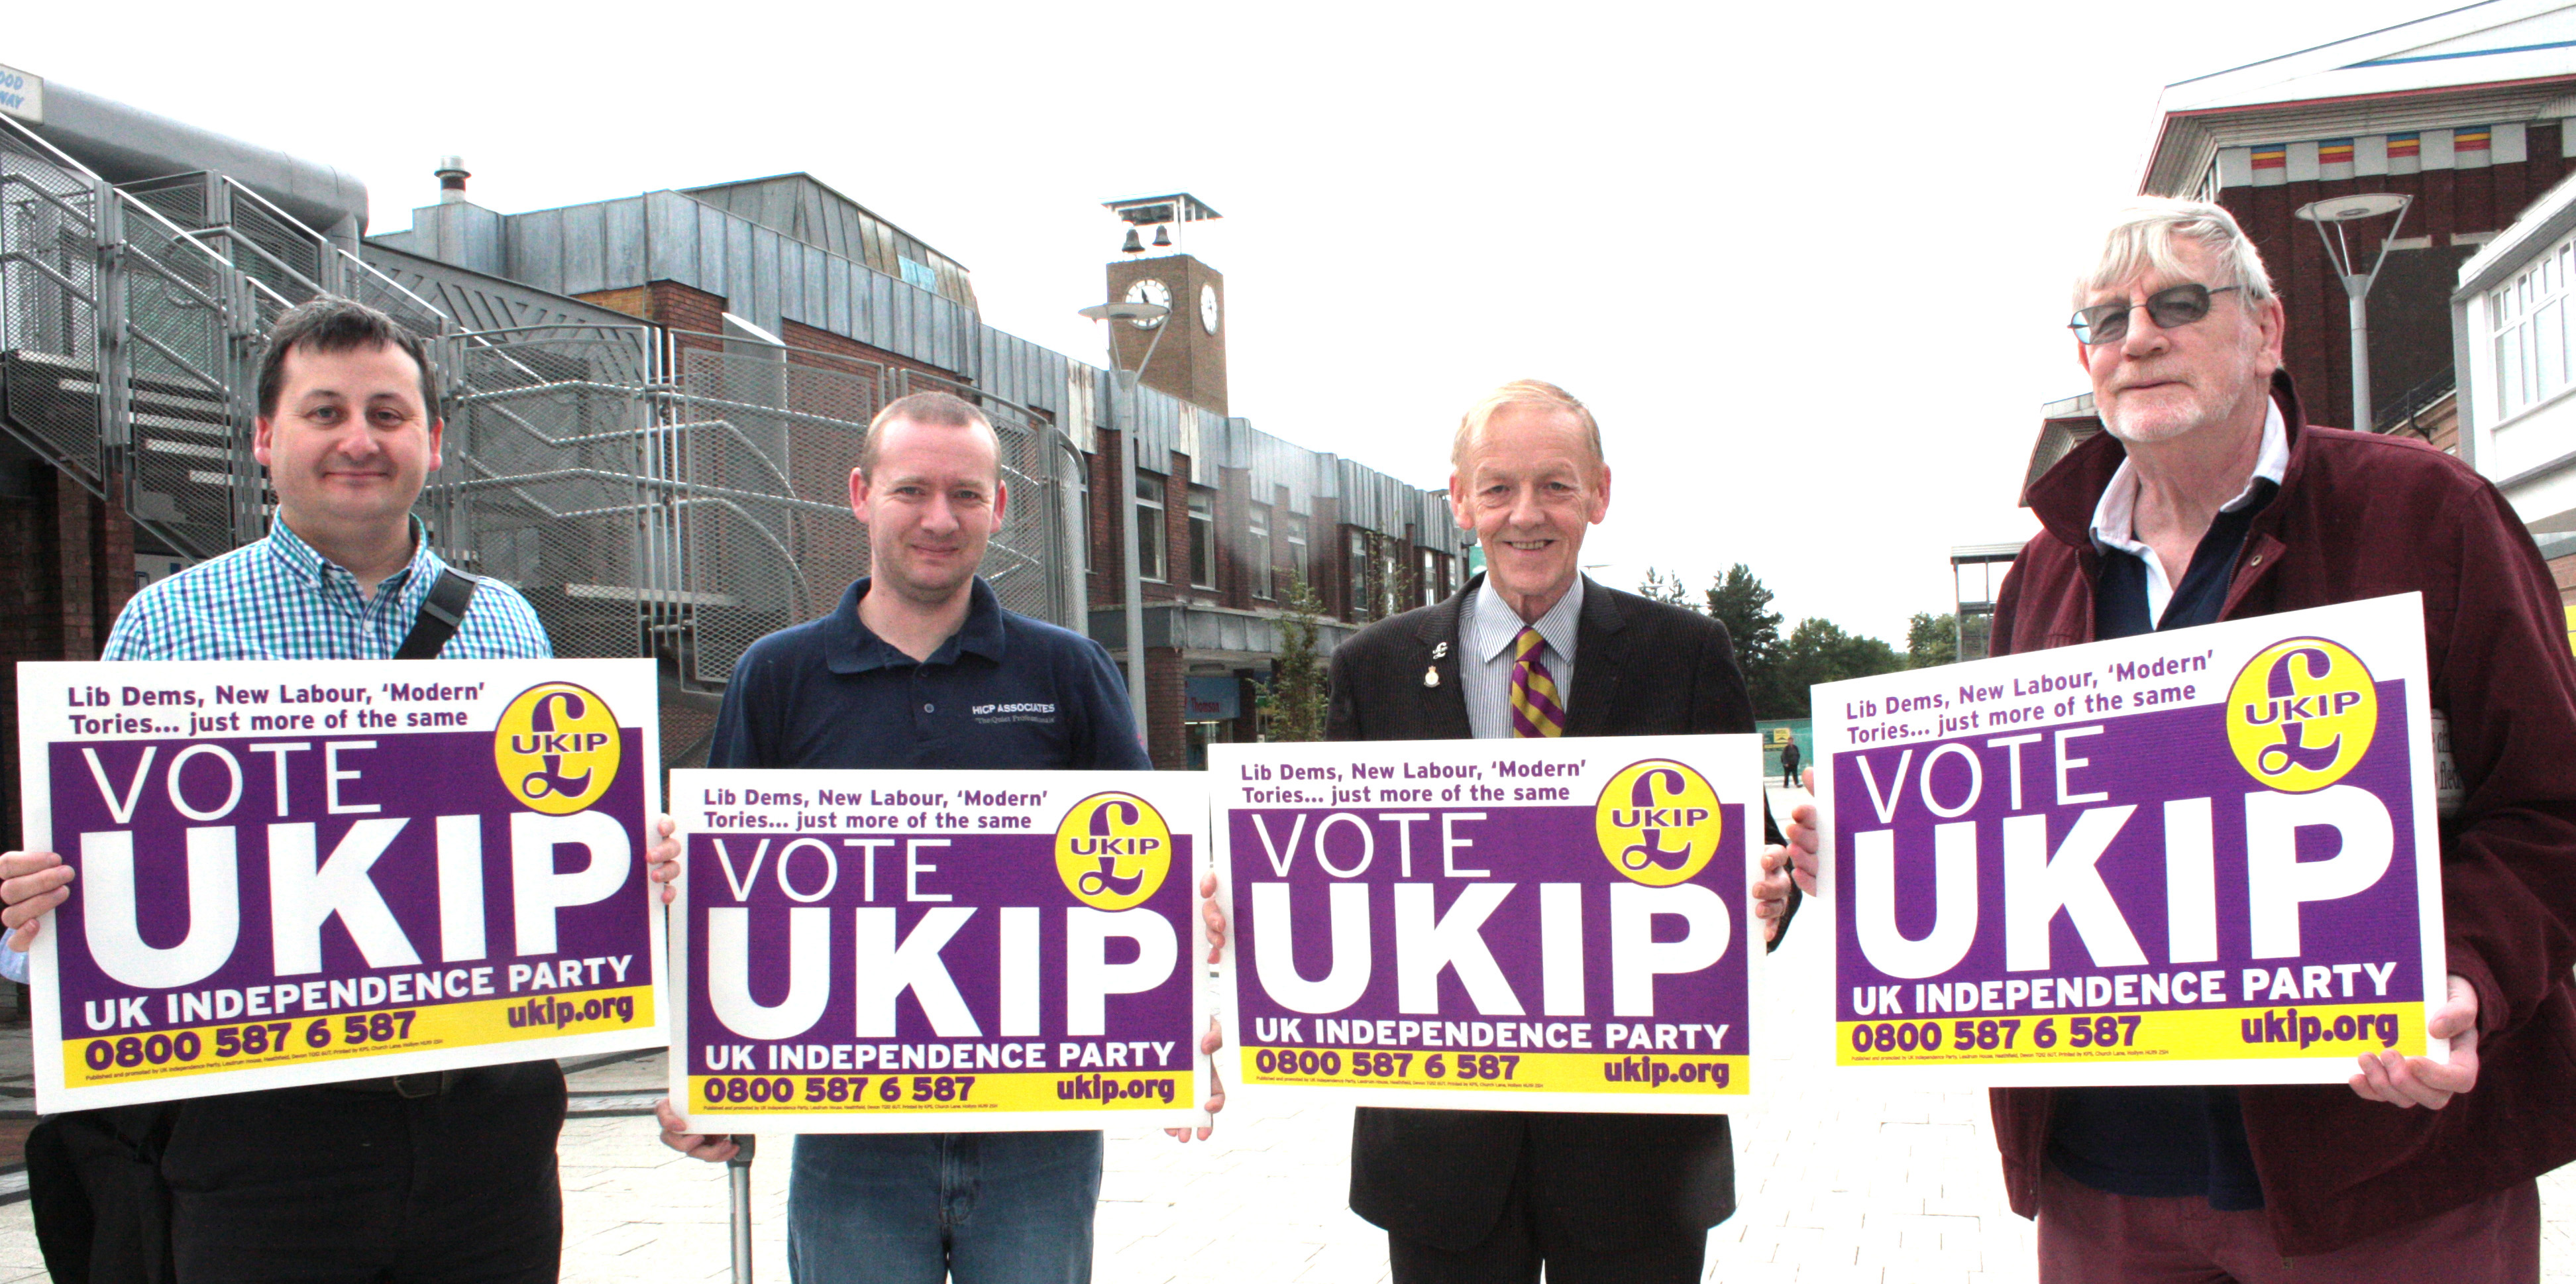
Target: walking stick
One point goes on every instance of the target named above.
(738, 1175)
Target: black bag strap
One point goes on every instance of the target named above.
(439, 615)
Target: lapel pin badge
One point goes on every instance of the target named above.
(1440, 650)
(1431, 676)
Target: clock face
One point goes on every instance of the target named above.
(1207, 307)
(1151, 291)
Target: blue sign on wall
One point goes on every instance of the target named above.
(1213, 700)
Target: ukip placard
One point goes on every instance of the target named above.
(318, 871)
(937, 951)
(1538, 924)
(2205, 856)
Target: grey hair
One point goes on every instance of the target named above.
(2142, 235)
(1522, 392)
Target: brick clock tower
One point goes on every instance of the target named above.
(1188, 344)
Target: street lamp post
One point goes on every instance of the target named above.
(2333, 217)
(1124, 423)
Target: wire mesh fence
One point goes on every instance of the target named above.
(49, 294)
(188, 471)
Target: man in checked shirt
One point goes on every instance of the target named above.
(438, 1177)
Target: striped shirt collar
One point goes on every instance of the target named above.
(1496, 623)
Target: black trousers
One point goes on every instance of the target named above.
(1526, 1236)
(335, 1185)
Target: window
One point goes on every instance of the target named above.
(1150, 535)
(1298, 567)
(2529, 321)
(1355, 572)
(1256, 549)
(1435, 577)
(1203, 539)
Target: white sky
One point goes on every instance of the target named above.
(1807, 263)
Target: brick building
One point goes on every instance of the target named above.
(1230, 516)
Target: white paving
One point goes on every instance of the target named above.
(1886, 1188)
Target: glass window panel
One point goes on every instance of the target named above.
(1150, 533)
(2553, 347)
(2510, 343)
(1256, 550)
(1202, 539)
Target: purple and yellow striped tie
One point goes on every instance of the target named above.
(1535, 710)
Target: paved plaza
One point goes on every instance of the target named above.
(1883, 1188)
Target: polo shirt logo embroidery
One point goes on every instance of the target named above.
(1024, 711)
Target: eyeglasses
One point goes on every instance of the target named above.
(2176, 306)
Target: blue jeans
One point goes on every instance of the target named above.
(914, 1208)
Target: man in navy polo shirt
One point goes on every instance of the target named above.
(921, 667)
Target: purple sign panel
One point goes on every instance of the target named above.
(904, 951)
(313, 872)
(2197, 857)
(1495, 924)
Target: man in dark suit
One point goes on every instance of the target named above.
(1533, 648)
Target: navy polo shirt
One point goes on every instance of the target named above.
(2181, 1140)
(1006, 691)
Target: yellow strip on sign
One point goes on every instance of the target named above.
(2212, 1034)
(349, 1036)
(898, 1094)
(1693, 1075)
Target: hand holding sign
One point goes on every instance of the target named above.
(662, 860)
(1780, 864)
(2408, 1082)
(31, 884)
(715, 1148)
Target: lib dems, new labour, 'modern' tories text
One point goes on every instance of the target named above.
(315, 871)
(911, 951)
(1535, 924)
(2205, 856)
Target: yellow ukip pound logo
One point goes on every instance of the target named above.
(2302, 714)
(557, 748)
(1113, 851)
(1658, 822)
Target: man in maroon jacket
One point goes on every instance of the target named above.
(2208, 499)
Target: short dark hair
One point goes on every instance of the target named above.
(326, 323)
(937, 409)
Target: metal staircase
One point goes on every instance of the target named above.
(130, 328)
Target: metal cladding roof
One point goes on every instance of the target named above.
(2503, 60)
(806, 208)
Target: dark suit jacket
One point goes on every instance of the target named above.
(1441, 1176)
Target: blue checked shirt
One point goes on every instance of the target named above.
(279, 600)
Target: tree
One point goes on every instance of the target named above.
(1738, 600)
(1931, 640)
(1296, 699)
(1663, 588)
(1818, 651)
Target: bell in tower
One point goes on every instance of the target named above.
(1189, 350)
